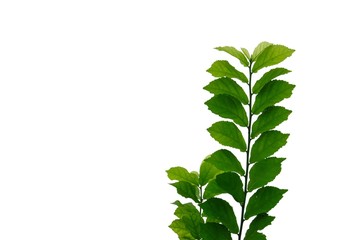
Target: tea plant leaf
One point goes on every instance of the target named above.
(219, 210)
(263, 200)
(214, 231)
(179, 227)
(271, 55)
(212, 190)
(228, 107)
(226, 161)
(267, 77)
(259, 49)
(246, 53)
(227, 134)
(272, 93)
(187, 190)
(223, 68)
(255, 236)
(227, 86)
(267, 144)
(181, 174)
(207, 172)
(232, 184)
(264, 172)
(260, 222)
(269, 119)
(235, 53)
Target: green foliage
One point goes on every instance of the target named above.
(210, 215)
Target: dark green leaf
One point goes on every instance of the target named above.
(226, 161)
(181, 174)
(232, 184)
(271, 55)
(178, 226)
(246, 53)
(272, 93)
(187, 190)
(227, 86)
(259, 49)
(267, 77)
(207, 172)
(222, 212)
(212, 190)
(263, 200)
(255, 236)
(267, 144)
(214, 231)
(264, 172)
(228, 107)
(227, 134)
(223, 68)
(235, 53)
(269, 119)
(260, 222)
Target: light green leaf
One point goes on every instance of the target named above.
(181, 174)
(228, 107)
(223, 68)
(259, 49)
(207, 172)
(214, 231)
(267, 144)
(192, 223)
(235, 53)
(227, 134)
(264, 172)
(269, 119)
(271, 55)
(246, 53)
(263, 200)
(219, 210)
(255, 236)
(260, 222)
(185, 209)
(187, 190)
(212, 190)
(267, 77)
(178, 226)
(272, 93)
(227, 86)
(232, 184)
(226, 161)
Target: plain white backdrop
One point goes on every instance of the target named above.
(99, 98)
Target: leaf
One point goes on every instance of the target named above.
(269, 119)
(267, 77)
(223, 68)
(255, 236)
(264, 172)
(260, 222)
(259, 49)
(246, 53)
(187, 190)
(181, 174)
(226, 161)
(263, 200)
(185, 209)
(228, 107)
(221, 211)
(214, 231)
(207, 172)
(232, 184)
(267, 144)
(178, 226)
(227, 134)
(235, 53)
(227, 86)
(271, 55)
(212, 190)
(272, 93)
(192, 223)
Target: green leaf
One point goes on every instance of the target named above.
(181, 174)
(232, 184)
(260, 222)
(214, 231)
(269, 119)
(226, 161)
(246, 53)
(227, 86)
(228, 107)
(267, 144)
(212, 190)
(271, 55)
(264, 172)
(272, 93)
(235, 53)
(192, 223)
(263, 200)
(187, 190)
(179, 227)
(221, 211)
(267, 77)
(185, 209)
(227, 134)
(223, 68)
(259, 49)
(255, 236)
(207, 172)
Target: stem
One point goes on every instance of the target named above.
(247, 155)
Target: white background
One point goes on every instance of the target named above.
(99, 98)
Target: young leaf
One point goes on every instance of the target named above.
(227, 134)
(227, 86)
(178, 226)
(269, 119)
(260, 222)
(228, 107)
(271, 55)
(212, 190)
(207, 172)
(267, 144)
(181, 174)
(235, 53)
(226, 161)
(214, 231)
(272, 93)
(264, 172)
(221, 211)
(263, 200)
(187, 190)
(223, 68)
(267, 77)
(259, 49)
(246, 53)
(255, 236)
(232, 184)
